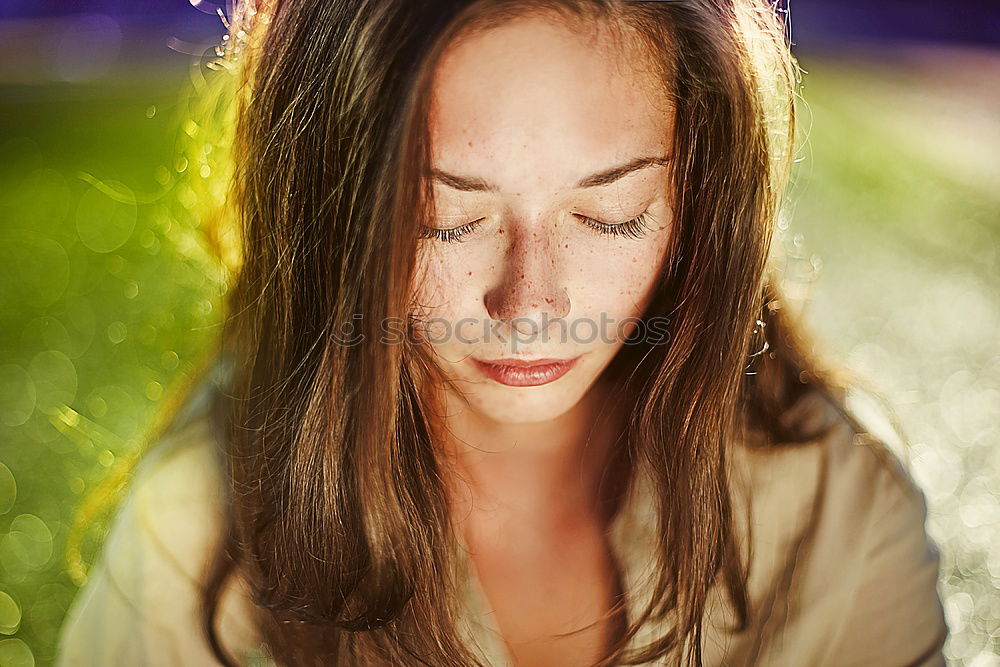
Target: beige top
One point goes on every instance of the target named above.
(864, 592)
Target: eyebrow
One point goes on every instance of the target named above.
(606, 177)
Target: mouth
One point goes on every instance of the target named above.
(525, 372)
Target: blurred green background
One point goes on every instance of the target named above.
(109, 299)
(106, 304)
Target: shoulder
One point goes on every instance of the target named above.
(176, 494)
(143, 595)
(846, 475)
(844, 563)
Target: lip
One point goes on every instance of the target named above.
(525, 372)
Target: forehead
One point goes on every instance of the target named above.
(542, 101)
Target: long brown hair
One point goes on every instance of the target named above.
(338, 518)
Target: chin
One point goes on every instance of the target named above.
(525, 405)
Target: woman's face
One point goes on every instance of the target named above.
(544, 138)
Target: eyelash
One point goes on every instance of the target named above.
(634, 228)
(452, 235)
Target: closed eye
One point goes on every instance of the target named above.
(452, 235)
(635, 228)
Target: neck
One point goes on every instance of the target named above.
(539, 477)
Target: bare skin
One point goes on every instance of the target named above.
(532, 109)
(543, 561)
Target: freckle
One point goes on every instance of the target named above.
(633, 260)
(470, 273)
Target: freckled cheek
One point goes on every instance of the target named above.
(646, 271)
(629, 296)
(443, 284)
(619, 282)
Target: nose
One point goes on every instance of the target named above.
(530, 293)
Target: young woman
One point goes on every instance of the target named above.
(510, 378)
